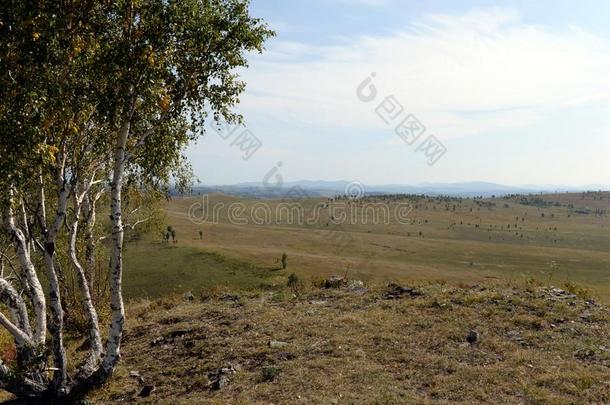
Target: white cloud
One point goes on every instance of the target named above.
(461, 75)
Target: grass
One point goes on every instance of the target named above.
(535, 345)
(343, 347)
(469, 244)
(155, 269)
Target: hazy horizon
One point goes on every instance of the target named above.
(603, 187)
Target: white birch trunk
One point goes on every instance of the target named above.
(113, 345)
(94, 331)
(20, 336)
(18, 310)
(35, 290)
(57, 313)
(89, 207)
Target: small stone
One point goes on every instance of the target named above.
(221, 382)
(586, 316)
(178, 333)
(146, 391)
(137, 376)
(188, 296)
(584, 354)
(157, 341)
(221, 377)
(396, 291)
(335, 282)
(229, 297)
(276, 344)
(356, 286)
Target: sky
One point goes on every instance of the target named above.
(514, 92)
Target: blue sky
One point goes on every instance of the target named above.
(517, 93)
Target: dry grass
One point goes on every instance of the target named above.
(345, 347)
(471, 244)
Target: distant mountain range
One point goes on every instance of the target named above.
(322, 188)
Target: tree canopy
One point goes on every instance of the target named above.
(98, 96)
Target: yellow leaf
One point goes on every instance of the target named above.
(164, 103)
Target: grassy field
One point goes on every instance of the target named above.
(176, 269)
(555, 239)
(479, 266)
(340, 346)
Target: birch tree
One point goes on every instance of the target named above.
(96, 97)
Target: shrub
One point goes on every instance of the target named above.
(577, 290)
(270, 373)
(293, 280)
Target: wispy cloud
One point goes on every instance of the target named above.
(460, 74)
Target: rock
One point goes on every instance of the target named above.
(146, 391)
(221, 377)
(229, 297)
(515, 335)
(276, 344)
(356, 286)
(396, 291)
(219, 383)
(335, 282)
(586, 316)
(473, 337)
(188, 296)
(558, 293)
(157, 341)
(137, 376)
(169, 337)
(584, 354)
(179, 333)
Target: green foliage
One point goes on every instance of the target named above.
(577, 290)
(84, 81)
(270, 373)
(72, 75)
(170, 66)
(293, 280)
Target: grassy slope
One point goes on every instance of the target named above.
(154, 269)
(345, 347)
(452, 248)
